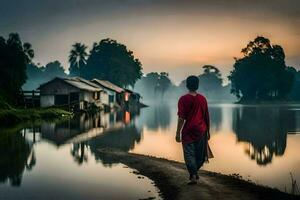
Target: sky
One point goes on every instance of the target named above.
(175, 36)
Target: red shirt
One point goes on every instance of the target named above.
(195, 112)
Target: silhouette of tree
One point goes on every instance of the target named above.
(38, 75)
(77, 59)
(262, 73)
(210, 85)
(14, 56)
(147, 83)
(210, 81)
(295, 94)
(163, 84)
(112, 61)
(34, 76)
(54, 69)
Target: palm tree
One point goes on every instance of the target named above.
(77, 58)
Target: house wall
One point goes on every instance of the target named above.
(111, 93)
(89, 97)
(53, 88)
(104, 98)
(47, 100)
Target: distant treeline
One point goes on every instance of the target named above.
(158, 87)
(260, 75)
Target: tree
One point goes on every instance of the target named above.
(163, 84)
(34, 76)
(261, 74)
(153, 85)
(295, 94)
(146, 85)
(210, 81)
(14, 57)
(77, 59)
(54, 69)
(112, 61)
(38, 75)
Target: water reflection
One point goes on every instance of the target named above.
(122, 139)
(16, 154)
(79, 153)
(215, 118)
(83, 127)
(265, 129)
(238, 133)
(156, 117)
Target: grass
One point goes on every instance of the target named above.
(11, 116)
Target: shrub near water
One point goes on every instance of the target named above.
(10, 116)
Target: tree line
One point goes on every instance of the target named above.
(108, 60)
(158, 86)
(261, 74)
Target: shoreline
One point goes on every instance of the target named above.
(171, 178)
(10, 117)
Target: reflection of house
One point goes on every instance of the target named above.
(115, 93)
(75, 92)
(60, 133)
(81, 127)
(131, 99)
(123, 139)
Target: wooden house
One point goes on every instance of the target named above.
(77, 93)
(115, 93)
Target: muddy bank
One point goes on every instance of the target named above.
(171, 178)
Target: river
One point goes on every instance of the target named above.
(60, 160)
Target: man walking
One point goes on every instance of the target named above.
(193, 128)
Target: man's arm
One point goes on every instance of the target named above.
(180, 124)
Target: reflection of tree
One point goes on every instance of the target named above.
(215, 115)
(79, 154)
(265, 129)
(123, 139)
(157, 117)
(15, 154)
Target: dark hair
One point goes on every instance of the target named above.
(192, 83)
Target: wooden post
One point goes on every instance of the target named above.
(69, 102)
(33, 134)
(32, 99)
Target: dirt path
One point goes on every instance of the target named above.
(171, 178)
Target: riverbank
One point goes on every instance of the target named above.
(11, 116)
(171, 178)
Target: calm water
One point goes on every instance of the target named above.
(260, 143)
(60, 160)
